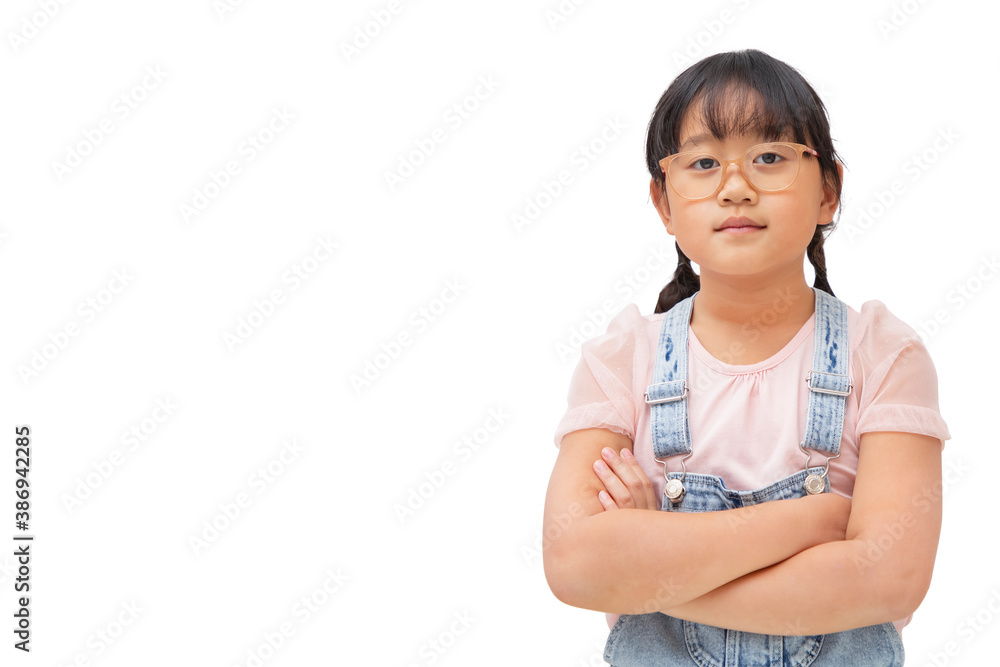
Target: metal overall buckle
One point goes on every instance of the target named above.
(814, 483)
(674, 490)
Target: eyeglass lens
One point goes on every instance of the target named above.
(766, 166)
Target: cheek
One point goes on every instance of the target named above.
(798, 208)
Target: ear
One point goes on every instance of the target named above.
(659, 198)
(829, 203)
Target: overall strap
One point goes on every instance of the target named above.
(828, 381)
(667, 396)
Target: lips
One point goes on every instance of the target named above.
(740, 222)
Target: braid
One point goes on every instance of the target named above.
(818, 260)
(685, 283)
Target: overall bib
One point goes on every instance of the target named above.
(650, 640)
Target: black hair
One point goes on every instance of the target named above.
(718, 85)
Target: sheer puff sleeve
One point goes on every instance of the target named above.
(900, 391)
(602, 389)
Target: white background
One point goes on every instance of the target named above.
(471, 549)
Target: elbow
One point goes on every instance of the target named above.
(902, 590)
(909, 591)
(912, 580)
(561, 564)
(896, 577)
(575, 567)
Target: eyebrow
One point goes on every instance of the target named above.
(696, 140)
(700, 139)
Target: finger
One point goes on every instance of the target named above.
(630, 474)
(618, 491)
(647, 484)
(606, 501)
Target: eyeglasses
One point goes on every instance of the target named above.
(767, 167)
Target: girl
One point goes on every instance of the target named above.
(789, 446)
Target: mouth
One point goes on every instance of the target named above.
(741, 224)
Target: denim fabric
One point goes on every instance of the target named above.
(648, 640)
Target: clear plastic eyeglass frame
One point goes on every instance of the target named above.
(801, 148)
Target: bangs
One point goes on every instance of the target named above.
(745, 93)
(732, 110)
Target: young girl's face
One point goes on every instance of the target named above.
(788, 218)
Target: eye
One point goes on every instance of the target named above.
(702, 163)
(769, 158)
(774, 154)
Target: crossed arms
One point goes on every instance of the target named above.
(811, 565)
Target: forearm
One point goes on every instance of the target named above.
(827, 588)
(880, 573)
(639, 561)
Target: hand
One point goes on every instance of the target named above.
(626, 484)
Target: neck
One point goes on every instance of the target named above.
(735, 302)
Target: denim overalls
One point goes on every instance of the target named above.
(648, 640)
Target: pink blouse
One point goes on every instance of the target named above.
(747, 421)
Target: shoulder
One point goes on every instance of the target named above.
(876, 329)
(624, 332)
(883, 344)
(623, 351)
(898, 380)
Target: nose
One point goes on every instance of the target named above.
(735, 186)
